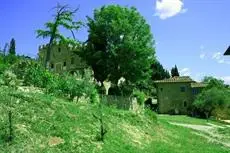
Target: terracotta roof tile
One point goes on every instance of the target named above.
(176, 79)
(198, 85)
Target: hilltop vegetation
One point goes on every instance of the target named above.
(45, 123)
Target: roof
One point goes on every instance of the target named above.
(176, 79)
(227, 52)
(198, 85)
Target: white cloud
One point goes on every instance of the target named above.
(202, 55)
(218, 56)
(169, 8)
(226, 79)
(185, 72)
(199, 77)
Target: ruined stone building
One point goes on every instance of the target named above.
(62, 58)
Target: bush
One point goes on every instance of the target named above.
(140, 96)
(37, 75)
(71, 86)
(74, 86)
(151, 114)
(210, 100)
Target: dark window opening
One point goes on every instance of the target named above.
(52, 65)
(182, 89)
(72, 72)
(64, 64)
(72, 60)
(59, 49)
(185, 103)
(195, 91)
(161, 89)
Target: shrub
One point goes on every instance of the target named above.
(21, 67)
(67, 85)
(37, 75)
(140, 96)
(210, 100)
(74, 86)
(151, 114)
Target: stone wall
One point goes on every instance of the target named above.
(62, 58)
(120, 102)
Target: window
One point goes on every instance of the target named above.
(64, 64)
(52, 66)
(161, 89)
(185, 103)
(59, 49)
(182, 88)
(72, 60)
(195, 91)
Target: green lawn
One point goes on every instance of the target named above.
(47, 124)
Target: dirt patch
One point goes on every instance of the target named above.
(136, 135)
(54, 141)
(209, 131)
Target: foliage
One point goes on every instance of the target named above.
(120, 44)
(10, 79)
(10, 84)
(100, 118)
(213, 82)
(12, 48)
(174, 71)
(159, 72)
(140, 96)
(151, 114)
(210, 100)
(36, 75)
(63, 18)
(75, 86)
(78, 85)
(3, 67)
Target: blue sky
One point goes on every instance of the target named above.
(193, 34)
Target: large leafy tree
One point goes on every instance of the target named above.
(62, 18)
(12, 48)
(120, 44)
(174, 71)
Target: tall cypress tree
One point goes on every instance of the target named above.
(12, 50)
(174, 71)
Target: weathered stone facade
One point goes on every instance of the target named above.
(62, 58)
(176, 95)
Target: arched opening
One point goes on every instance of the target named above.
(185, 104)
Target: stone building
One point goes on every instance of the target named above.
(176, 95)
(62, 58)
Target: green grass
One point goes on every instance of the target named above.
(187, 120)
(41, 121)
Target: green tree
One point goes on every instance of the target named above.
(62, 18)
(209, 100)
(159, 72)
(120, 44)
(213, 82)
(174, 71)
(12, 48)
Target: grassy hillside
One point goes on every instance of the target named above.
(44, 123)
